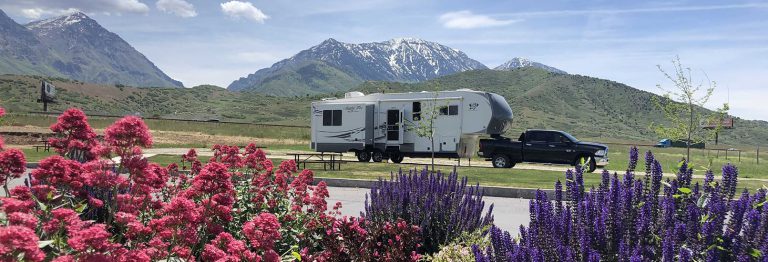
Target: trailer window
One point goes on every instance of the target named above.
(443, 110)
(331, 117)
(453, 110)
(416, 111)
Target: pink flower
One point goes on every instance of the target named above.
(99, 174)
(190, 156)
(213, 179)
(2, 112)
(11, 205)
(63, 219)
(226, 248)
(22, 219)
(12, 164)
(60, 172)
(263, 231)
(15, 240)
(73, 133)
(126, 133)
(92, 238)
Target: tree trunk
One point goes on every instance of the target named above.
(432, 140)
(690, 131)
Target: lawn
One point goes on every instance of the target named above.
(521, 178)
(670, 157)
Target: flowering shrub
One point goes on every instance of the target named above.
(74, 137)
(84, 206)
(443, 207)
(640, 219)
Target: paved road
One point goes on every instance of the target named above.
(508, 213)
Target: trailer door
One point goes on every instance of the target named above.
(394, 126)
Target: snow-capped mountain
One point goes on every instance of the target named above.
(519, 62)
(76, 47)
(401, 60)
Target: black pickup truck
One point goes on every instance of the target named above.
(543, 146)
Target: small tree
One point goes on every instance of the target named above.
(425, 125)
(684, 109)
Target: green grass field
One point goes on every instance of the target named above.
(701, 159)
(210, 128)
(522, 178)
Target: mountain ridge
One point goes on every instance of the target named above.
(400, 59)
(519, 62)
(76, 47)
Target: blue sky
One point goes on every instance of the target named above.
(216, 42)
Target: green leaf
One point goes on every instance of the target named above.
(755, 253)
(80, 208)
(684, 190)
(44, 243)
(49, 196)
(296, 255)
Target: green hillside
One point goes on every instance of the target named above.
(315, 77)
(584, 106)
(20, 93)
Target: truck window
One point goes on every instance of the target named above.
(540, 137)
(331, 117)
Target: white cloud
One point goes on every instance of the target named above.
(239, 9)
(37, 13)
(468, 20)
(36, 9)
(177, 7)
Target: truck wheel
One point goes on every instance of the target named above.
(501, 161)
(377, 156)
(363, 156)
(587, 160)
(396, 157)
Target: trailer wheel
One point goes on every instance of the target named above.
(396, 157)
(377, 156)
(501, 161)
(363, 156)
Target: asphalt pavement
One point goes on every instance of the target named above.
(508, 213)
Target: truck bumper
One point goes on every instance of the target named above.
(601, 161)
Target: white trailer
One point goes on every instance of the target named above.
(382, 126)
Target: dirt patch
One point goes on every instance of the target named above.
(26, 135)
(185, 138)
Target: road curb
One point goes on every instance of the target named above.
(491, 191)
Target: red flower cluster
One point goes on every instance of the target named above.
(12, 165)
(18, 240)
(74, 135)
(127, 133)
(263, 231)
(2, 112)
(238, 207)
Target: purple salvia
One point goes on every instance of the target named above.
(685, 255)
(730, 178)
(668, 246)
(709, 178)
(649, 159)
(633, 155)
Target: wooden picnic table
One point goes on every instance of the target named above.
(46, 146)
(332, 160)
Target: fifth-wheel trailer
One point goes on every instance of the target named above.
(383, 126)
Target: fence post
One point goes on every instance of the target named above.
(758, 154)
